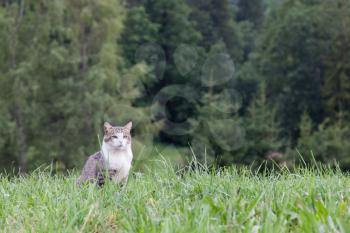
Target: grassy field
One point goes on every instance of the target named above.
(166, 200)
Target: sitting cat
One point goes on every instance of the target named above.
(114, 159)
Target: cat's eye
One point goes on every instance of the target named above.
(114, 136)
(125, 136)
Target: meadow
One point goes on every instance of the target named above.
(191, 199)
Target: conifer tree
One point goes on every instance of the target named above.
(262, 129)
(220, 128)
(336, 87)
(251, 10)
(289, 56)
(138, 30)
(215, 21)
(168, 26)
(327, 144)
(305, 139)
(60, 66)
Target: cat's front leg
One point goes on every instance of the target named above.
(124, 183)
(120, 177)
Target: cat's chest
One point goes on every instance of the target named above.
(118, 161)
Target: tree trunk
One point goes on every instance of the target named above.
(21, 142)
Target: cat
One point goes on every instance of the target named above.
(114, 159)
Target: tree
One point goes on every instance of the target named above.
(60, 67)
(165, 26)
(20, 103)
(295, 74)
(175, 28)
(252, 11)
(215, 21)
(220, 133)
(262, 130)
(336, 87)
(220, 128)
(138, 30)
(328, 144)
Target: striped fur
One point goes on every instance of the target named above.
(113, 161)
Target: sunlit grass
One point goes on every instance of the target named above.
(167, 200)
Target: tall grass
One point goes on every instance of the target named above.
(195, 199)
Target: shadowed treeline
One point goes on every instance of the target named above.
(232, 81)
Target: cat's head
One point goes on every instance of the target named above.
(117, 137)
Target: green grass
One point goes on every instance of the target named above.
(163, 200)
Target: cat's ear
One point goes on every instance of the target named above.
(128, 126)
(106, 127)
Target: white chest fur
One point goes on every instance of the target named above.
(119, 160)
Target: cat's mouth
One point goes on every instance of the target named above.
(119, 146)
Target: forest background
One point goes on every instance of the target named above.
(229, 81)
